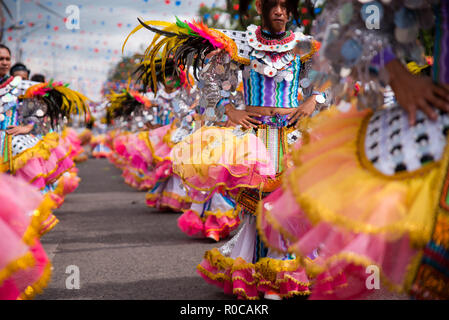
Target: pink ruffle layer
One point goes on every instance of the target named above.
(343, 256)
(193, 225)
(247, 283)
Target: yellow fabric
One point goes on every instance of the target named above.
(212, 146)
(24, 262)
(41, 150)
(266, 268)
(37, 287)
(231, 214)
(40, 215)
(333, 182)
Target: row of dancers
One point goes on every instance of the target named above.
(322, 177)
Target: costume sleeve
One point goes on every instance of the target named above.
(218, 82)
(359, 39)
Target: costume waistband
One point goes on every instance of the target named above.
(276, 121)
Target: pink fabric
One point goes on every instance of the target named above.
(324, 241)
(163, 170)
(33, 170)
(190, 223)
(172, 203)
(12, 288)
(247, 283)
(221, 226)
(51, 221)
(71, 140)
(58, 163)
(156, 136)
(232, 287)
(69, 182)
(130, 179)
(18, 199)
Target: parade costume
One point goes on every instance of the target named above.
(366, 188)
(169, 191)
(271, 73)
(24, 267)
(215, 219)
(98, 145)
(37, 157)
(128, 151)
(72, 141)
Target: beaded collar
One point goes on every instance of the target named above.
(263, 37)
(5, 81)
(285, 44)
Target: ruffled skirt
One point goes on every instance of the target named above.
(238, 269)
(216, 159)
(353, 227)
(24, 266)
(214, 219)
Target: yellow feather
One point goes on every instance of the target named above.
(150, 22)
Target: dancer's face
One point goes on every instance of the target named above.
(21, 73)
(5, 62)
(274, 14)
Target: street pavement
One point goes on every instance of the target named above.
(122, 249)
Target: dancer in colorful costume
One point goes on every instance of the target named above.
(176, 98)
(273, 101)
(98, 144)
(49, 106)
(130, 148)
(37, 158)
(367, 191)
(213, 217)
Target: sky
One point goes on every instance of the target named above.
(52, 45)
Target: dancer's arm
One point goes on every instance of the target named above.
(221, 93)
(415, 93)
(16, 130)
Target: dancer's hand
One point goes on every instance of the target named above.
(242, 117)
(304, 110)
(417, 93)
(16, 130)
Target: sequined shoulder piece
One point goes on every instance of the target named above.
(393, 147)
(24, 85)
(240, 38)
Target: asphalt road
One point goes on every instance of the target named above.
(122, 248)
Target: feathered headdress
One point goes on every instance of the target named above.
(125, 103)
(144, 73)
(59, 99)
(187, 42)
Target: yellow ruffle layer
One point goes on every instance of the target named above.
(265, 268)
(41, 150)
(413, 212)
(31, 234)
(324, 183)
(166, 139)
(41, 214)
(24, 262)
(231, 214)
(37, 287)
